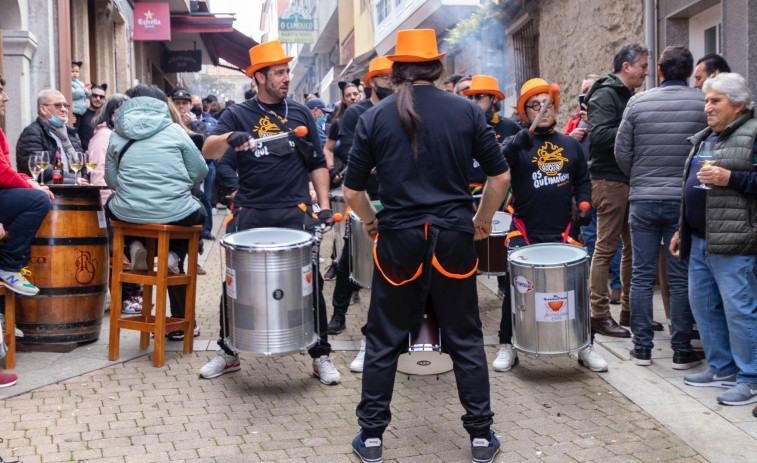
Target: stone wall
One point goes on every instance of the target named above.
(579, 37)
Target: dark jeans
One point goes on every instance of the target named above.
(22, 213)
(652, 223)
(207, 195)
(395, 310)
(294, 218)
(344, 287)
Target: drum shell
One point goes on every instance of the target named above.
(69, 263)
(549, 337)
(492, 251)
(338, 206)
(270, 311)
(361, 253)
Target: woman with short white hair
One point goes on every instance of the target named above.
(718, 234)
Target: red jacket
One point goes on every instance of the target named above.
(573, 123)
(9, 178)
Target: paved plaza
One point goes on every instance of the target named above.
(81, 407)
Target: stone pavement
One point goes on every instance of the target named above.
(80, 407)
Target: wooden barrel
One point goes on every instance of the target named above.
(69, 264)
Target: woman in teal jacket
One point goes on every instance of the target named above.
(151, 165)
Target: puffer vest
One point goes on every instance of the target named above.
(731, 216)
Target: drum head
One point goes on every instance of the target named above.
(266, 239)
(501, 223)
(548, 254)
(336, 195)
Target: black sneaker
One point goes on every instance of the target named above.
(369, 450)
(641, 356)
(337, 323)
(177, 335)
(484, 450)
(330, 274)
(683, 360)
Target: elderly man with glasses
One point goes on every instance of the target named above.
(49, 132)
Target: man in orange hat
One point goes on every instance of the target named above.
(548, 170)
(424, 253)
(377, 79)
(273, 178)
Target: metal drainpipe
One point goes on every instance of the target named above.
(650, 25)
(64, 51)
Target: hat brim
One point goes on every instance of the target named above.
(531, 92)
(256, 67)
(472, 91)
(372, 74)
(326, 110)
(415, 58)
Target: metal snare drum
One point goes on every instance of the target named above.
(361, 253)
(269, 290)
(338, 206)
(492, 252)
(549, 287)
(424, 355)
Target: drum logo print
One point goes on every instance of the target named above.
(231, 283)
(307, 280)
(555, 307)
(523, 285)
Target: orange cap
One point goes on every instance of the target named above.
(415, 46)
(484, 84)
(266, 54)
(534, 87)
(378, 66)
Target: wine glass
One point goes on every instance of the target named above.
(90, 162)
(704, 158)
(75, 163)
(34, 169)
(43, 162)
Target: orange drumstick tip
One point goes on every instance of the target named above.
(584, 206)
(337, 217)
(301, 131)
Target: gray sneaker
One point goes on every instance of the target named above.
(741, 394)
(708, 378)
(368, 450)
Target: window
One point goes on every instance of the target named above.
(526, 53)
(382, 10)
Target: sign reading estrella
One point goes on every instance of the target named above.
(152, 21)
(296, 26)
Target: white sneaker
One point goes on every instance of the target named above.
(138, 255)
(506, 358)
(173, 262)
(323, 368)
(17, 282)
(592, 360)
(357, 365)
(18, 333)
(220, 364)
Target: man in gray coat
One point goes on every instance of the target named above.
(651, 148)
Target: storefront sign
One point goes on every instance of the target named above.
(152, 21)
(182, 61)
(296, 26)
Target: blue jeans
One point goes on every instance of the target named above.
(207, 194)
(723, 295)
(589, 233)
(652, 222)
(23, 211)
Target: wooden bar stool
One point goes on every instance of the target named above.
(147, 323)
(9, 330)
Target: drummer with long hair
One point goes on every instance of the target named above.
(424, 235)
(549, 171)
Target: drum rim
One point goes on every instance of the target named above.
(550, 265)
(267, 247)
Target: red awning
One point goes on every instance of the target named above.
(231, 46)
(201, 23)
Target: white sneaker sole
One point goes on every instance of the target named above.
(8, 384)
(686, 366)
(720, 384)
(508, 368)
(594, 369)
(223, 372)
(140, 260)
(21, 291)
(750, 400)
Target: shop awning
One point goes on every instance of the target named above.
(233, 47)
(201, 23)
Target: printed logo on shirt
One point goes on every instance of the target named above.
(266, 128)
(550, 159)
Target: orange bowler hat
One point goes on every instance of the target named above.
(266, 54)
(534, 87)
(484, 84)
(377, 66)
(415, 46)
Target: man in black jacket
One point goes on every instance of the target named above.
(606, 102)
(48, 133)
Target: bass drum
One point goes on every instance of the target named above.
(550, 298)
(269, 290)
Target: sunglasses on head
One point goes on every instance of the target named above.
(478, 96)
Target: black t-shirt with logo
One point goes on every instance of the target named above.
(545, 179)
(503, 128)
(434, 188)
(274, 175)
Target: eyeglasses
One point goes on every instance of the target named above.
(478, 96)
(58, 105)
(95, 95)
(536, 105)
